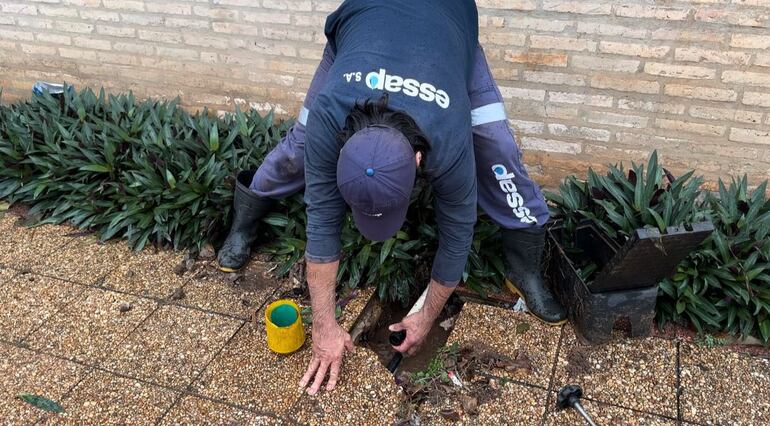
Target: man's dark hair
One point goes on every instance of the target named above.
(372, 112)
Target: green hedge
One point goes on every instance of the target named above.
(151, 173)
(723, 286)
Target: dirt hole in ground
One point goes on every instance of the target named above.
(377, 337)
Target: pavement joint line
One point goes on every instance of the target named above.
(95, 367)
(679, 415)
(189, 388)
(50, 317)
(553, 375)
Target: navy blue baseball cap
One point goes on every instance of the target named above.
(375, 174)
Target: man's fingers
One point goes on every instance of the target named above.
(319, 378)
(334, 374)
(350, 346)
(397, 327)
(312, 367)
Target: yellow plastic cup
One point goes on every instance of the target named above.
(285, 332)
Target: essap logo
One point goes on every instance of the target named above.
(514, 199)
(381, 80)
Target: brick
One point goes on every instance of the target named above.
(613, 119)
(762, 60)
(749, 135)
(527, 127)
(749, 78)
(205, 41)
(561, 43)
(36, 49)
(244, 3)
(508, 4)
(604, 64)
(584, 8)
(117, 58)
(725, 114)
(216, 12)
(526, 22)
(160, 36)
(139, 19)
(177, 53)
(187, 24)
(561, 112)
(756, 98)
(231, 28)
(750, 41)
(625, 84)
(610, 30)
(293, 5)
(520, 93)
(100, 15)
(85, 3)
(580, 132)
(116, 31)
(580, 99)
(18, 9)
(67, 12)
(696, 92)
(7, 20)
(551, 145)
(667, 33)
(650, 106)
(316, 21)
(67, 52)
(74, 27)
(633, 49)
(143, 49)
(695, 54)
(679, 71)
(266, 17)
(486, 21)
(555, 78)
(535, 58)
(34, 22)
(748, 18)
(169, 8)
(92, 43)
(136, 6)
(284, 34)
(654, 12)
(54, 38)
(505, 39)
(16, 35)
(685, 126)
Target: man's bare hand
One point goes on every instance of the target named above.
(417, 327)
(330, 341)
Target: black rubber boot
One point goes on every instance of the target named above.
(248, 209)
(524, 252)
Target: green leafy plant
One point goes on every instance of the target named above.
(725, 286)
(151, 173)
(622, 201)
(437, 366)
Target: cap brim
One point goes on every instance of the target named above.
(383, 227)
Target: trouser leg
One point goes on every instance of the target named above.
(506, 192)
(509, 196)
(282, 173)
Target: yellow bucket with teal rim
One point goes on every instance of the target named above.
(283, 321)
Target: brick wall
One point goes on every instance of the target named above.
(585, 82)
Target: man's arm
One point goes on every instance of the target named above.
(325, 213)
(456, 216)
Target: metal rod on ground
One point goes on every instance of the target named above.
(569, 397)
(398, 337)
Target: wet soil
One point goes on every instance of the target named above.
(377, 338)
